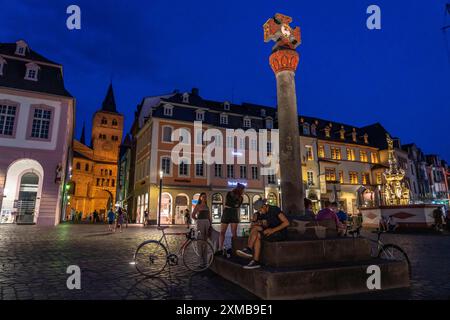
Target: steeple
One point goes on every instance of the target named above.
(109, 104)
(83, 134)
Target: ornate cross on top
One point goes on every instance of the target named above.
(278, 30)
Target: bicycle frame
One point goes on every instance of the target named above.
(166, 243)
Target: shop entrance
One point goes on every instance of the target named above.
(181, 204)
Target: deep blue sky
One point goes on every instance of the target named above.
(399, 76)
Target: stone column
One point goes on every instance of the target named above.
(284, 62)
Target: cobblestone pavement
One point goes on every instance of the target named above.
(33, 263)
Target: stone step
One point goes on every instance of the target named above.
(306, 283)
(310, 252)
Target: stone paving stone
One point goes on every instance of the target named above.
(33, 262)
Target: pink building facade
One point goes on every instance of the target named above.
(36, 130)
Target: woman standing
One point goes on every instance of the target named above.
(119, 219)
(202, 215)
(230, 215)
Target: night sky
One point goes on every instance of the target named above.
(399, 75)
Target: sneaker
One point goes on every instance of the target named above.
(245, 253)
(253, 265)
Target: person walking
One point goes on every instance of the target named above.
(187, 216)
(111, 218)
(145, 217)
(230, 215)
(437, 215)
(119, 221)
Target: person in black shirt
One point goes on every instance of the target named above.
(269, 224)
(230, 215)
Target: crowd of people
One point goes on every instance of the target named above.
(114, 218)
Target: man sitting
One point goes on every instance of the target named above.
(268, 223)
(329, 213)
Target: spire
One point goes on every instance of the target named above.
(109, 104)
(83, 134)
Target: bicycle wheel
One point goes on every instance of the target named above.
(394, 253)
(150, 258)
(198, 255)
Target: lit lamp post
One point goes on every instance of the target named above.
(161, 174)
(279, 193)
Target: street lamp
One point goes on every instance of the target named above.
(279, 192)
(161, 175)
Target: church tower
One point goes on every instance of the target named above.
(107, 129)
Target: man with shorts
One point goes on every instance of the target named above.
(269, 224)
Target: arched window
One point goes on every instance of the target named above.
(104, 121)
(86, 167)
(78, 166)
(114, 122)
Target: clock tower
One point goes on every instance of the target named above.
(107, 129)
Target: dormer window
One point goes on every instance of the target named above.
(263, 112)
(185, 97)
(200, 115)
(366, 138)
(21, 48)
(306, 129)
(327, 131)
(2, 64)
(269, 123)
(247, 122)
(223, 119)
(342, 133)
(313, 129)
(226, 106)
(354, 135)
(168, 110)
(32, 72)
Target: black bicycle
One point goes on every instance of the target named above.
(384, 251)
(152, 256)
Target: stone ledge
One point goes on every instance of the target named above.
(310, 252)
(317, 282)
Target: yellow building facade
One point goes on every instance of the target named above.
(94, 168)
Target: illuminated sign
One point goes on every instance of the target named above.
(235, 183)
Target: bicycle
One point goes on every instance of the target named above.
(384, 251)
(152, 256)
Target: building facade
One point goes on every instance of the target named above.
(95, 168)
(36, 132)
(337, 160)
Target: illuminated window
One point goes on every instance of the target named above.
(309, 153)
(336, 153)
(310, 177)
(365, 178)
(341, 177)
(379, 179)
(330, 174)
(353, 177)
(350, 154)
(374, 157)
(363, 156)
(321, 151)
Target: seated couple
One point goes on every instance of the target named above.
(268, 223)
